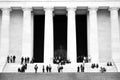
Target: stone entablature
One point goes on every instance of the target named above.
(67, 0)
(50, 3)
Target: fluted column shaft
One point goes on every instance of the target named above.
(115, 37)
(48, 38)
(27, 33)
(94, 53)
(71, 38)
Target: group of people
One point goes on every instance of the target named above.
(48, 68)
(25, 60)
(11, 59)
(81, 68)
(102, 69)
(109, 64)
(60, 60)
(94, 66)
(83, 59)
(23, 68)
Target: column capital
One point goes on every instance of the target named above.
(113, 8)
(71, 8)
(92, 8)
(48, 8)
(27, 9)
(6, 9)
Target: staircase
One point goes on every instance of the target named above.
(13, 67)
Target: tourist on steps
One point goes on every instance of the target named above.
(47, 68)
(43, 69)
(50, 68)
(36, 68)
(78, 69)
(14, 57)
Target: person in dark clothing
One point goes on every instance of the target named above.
(23, 68)
(19, 70)
(14, 58)
(47, 68)
(107, 63)
(8, 59)
(110, 63)
(25, 60)
(58, 68)
(82, 68)
(28, 59)
(22, 59)
(78, 69)
(50, 68)
(36, 68)
(92, 66)
(11, 59)
(43, 69)
(97, 65)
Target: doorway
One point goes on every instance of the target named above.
(81, 36)
(60, 36)
(38, 49)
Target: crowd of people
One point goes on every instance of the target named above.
(60, 60)
(83, 58)
(11, 59)
(47, 68)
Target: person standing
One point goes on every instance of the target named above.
(22, 59)
(47, 68)
(14, 58)
(28, 59)
(78, 69)
(8, 59)
(36, 68)
(43, 69)
(11, 59)
(25, 60)
(50, 68)
(58, 68)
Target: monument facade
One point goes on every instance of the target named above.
(103, 29)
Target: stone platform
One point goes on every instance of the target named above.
(60, 76)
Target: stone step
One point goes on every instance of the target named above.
(13, 67)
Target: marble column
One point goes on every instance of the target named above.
(93, 36)
(5, 32)
(71, 38)
(27, 33)
(48, 38)
(115, 37)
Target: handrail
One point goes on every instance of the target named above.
(114, 65)
(4, 66)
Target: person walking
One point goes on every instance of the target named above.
(36, 68)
